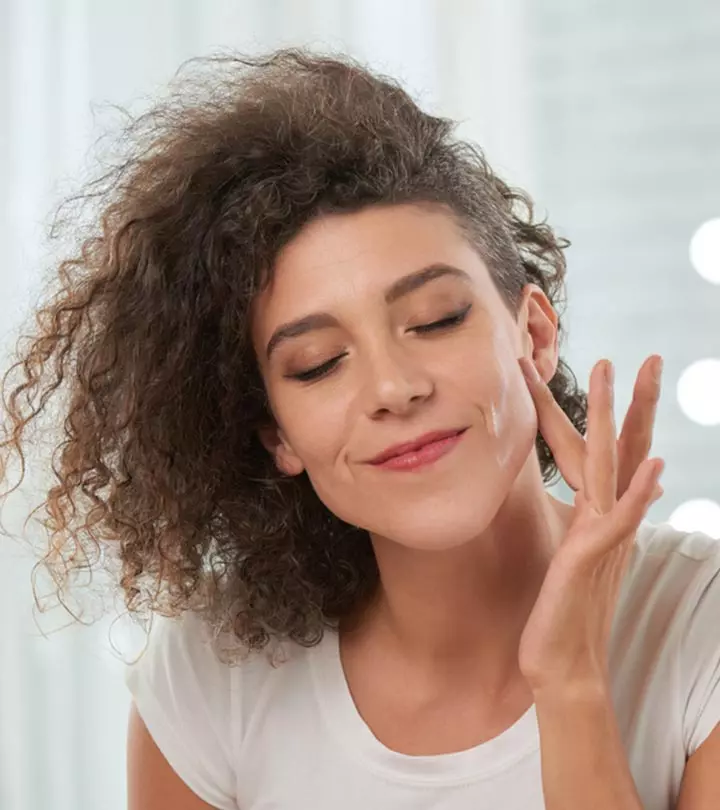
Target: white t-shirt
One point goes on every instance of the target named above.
(256, 737)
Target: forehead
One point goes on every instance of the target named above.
(354, 257)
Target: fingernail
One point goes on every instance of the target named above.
(526, 366)
(658, 369)
(609, 373)
(658, 469)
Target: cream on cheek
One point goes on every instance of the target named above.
(505, 415)
(509, 408)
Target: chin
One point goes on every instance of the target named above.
(439, 530)
(441, 520)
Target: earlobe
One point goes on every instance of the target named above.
(279, 448)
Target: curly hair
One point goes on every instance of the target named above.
(160, 470)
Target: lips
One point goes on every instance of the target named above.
(416, 444)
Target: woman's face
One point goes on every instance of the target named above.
(363, 347)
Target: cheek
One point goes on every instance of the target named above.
(324, 456)
(512, 419)
(494, 382)
(316, 429)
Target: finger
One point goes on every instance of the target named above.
(631, 509)
(600, 467)
(637, 431)
(581, 503)
(566, 444)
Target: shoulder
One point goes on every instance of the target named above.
(187, 657)
(181, 651)
(666, 626)
(669, 601)
(198, 704)
(671, 573)
(663, 538)
(201, 675)
(669, 563)
(181, 691)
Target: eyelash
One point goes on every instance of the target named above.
(324, 369)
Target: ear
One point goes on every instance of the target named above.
(275, 442)
(538, 324)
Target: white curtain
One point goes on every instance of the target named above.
(63, 705)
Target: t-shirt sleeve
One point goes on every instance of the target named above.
(700, 659)
(182, 692)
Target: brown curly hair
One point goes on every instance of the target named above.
(160, 474)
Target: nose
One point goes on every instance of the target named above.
(395, 383)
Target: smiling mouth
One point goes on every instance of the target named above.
(422, 456)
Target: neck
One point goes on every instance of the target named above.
(463, 610)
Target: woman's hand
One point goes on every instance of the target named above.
(565, 640)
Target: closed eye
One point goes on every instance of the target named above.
(318, 371)
(329, 365)
(444, 323)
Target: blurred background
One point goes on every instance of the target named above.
(608, 113)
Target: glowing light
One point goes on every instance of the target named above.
(705, 250)
(700, 515)
(698, 392)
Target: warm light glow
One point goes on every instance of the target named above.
(700, 515)
(698, 392)
(705, 250)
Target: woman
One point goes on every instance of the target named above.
(315, 398)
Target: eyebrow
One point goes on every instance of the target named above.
(398, 289)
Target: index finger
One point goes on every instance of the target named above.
(565, 442)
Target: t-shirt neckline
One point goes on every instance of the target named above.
(350, 730)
